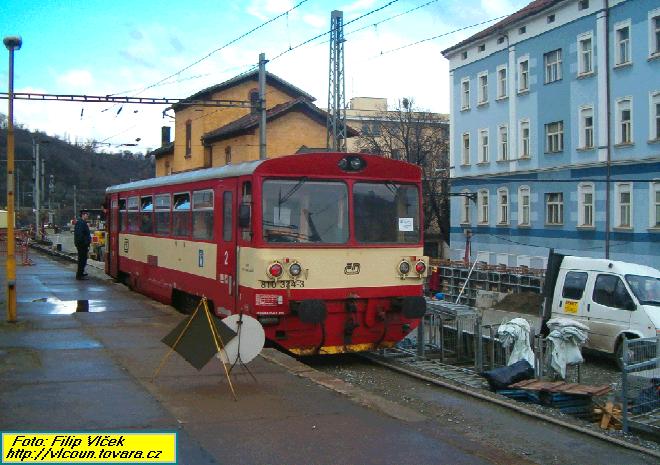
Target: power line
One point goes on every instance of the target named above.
(291, 49)
(442, 35)
(208, 55)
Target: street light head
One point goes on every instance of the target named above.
(12, 42)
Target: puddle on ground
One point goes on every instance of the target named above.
(69, 307)
(47, 299)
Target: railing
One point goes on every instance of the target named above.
(640, 384)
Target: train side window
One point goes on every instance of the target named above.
(163, 204)
(122, 216)
(574, 285)
(133, 206)
(203, 214)
(226, 216)
(181, 215)
(147, 215)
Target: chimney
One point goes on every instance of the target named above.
(164, 136)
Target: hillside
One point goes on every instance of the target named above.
(70, 165)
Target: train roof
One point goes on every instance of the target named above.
(314, 164)
(227, 171)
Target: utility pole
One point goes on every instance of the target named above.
(336, 124)
(37, 182)
(75, 202)
(262, 106)
(12, 43)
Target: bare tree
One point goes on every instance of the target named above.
(419, 137)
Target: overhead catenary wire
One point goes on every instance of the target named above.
(231, 42)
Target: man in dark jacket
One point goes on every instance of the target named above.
(82, 238)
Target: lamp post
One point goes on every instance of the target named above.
(12, 43)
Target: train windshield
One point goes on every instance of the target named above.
(305, 211)
(386, 213)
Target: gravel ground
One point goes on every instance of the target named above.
(414, 393)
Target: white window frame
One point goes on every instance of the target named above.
(654, 204)
(620, 208)
(482, 91)
(503, 203)
(622, 126)
(620, 60)
(524, 191)
(503, 143)
(465, 207)
(483, 149)
(654, 116)
(654, 33)
(585, 58)
(523, 75)
(482, 206)
(465, 152)
(553, 72)
(586, 111)
(522, 141)
(559, 205)
(585, 209)
(465, 96)
(550, 137)
(502, 84)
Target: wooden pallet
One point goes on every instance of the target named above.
(562, 387)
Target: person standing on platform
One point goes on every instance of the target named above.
(82, 238)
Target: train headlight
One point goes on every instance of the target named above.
(275, 270)
(295, 269)
(404, 267)
(420, 267)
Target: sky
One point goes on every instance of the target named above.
(129, 48)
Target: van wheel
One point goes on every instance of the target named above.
(618, 355)
(618, 352)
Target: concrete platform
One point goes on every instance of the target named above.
(66, 369)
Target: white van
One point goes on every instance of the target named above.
(614, 299)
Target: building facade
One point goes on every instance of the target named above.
(216, 136)
(555, 133)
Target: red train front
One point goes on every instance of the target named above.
(324, 249)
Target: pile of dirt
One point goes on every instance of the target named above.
(528, 303)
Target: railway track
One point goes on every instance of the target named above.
(466, 382)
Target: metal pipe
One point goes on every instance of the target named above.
(12, 43)
(262, 106)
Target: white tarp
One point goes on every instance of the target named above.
(516, 333)
(566, 336)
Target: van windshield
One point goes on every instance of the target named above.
(645, 288)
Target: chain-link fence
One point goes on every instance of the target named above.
(640, 384)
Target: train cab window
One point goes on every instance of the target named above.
(305, 211)
(226, 216)
(163, 205)
(386, 213)
(181, 215)
(122, 216)
(147, 215)
(203, 215)
(133, 207)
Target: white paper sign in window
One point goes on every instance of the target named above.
(406, 224)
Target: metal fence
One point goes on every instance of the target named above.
(640, 384)
(454, 334)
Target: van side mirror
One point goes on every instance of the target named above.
(244, 215)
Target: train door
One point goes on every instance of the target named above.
(113, 236)
(227, 272)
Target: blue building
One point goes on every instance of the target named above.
(555, 132)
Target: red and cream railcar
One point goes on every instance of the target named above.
(324, 249)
